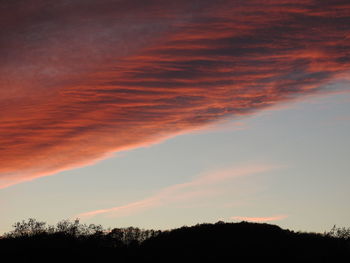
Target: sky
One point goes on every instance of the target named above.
(160, 114)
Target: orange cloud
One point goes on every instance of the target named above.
(201, 186)
(86, 79)
(259, 219)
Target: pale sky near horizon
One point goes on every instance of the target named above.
(162, 113)
(295, 163)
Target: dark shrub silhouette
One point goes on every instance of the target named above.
(34, 241)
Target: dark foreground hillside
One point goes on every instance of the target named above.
(246, 241)
(220, 242)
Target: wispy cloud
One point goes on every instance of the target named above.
(204, 185)
(85, 79)
(259, 219)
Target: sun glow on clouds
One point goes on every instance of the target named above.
(260, 219)
(82, 80)
(205, 185)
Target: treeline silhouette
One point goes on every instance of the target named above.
(72, 234)
(34, 241)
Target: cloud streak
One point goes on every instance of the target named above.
(260, 219)
(204, 185)
(82, 80)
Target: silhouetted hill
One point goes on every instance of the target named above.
(244, 241)
(220, 242)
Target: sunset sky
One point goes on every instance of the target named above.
(158, 114)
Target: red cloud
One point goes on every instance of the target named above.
(87, 79)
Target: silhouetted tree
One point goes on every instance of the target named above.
(30, 228)
(339, 232)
